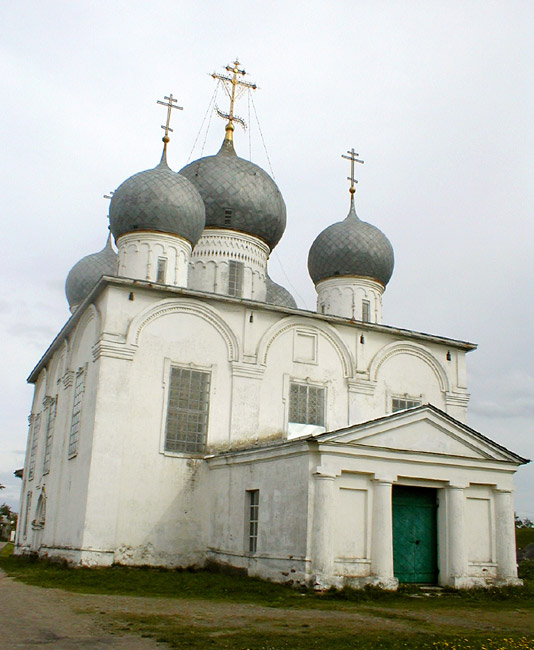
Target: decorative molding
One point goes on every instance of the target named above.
(291, 322)
(113, 350)
(413, 349)
(48, 400)
(457, 399)
(247, 370)
(361, 385)
(68, 379)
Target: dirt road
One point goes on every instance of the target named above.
(32, 617)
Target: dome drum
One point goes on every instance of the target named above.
(155, 257)
(229, 263)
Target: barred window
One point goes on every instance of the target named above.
(35, 429)
(235, 278)
(366, 311)
(306, 404)
(187, 411)
(403, 403)
(253, 507)
(49, 434)
(79, 389)
(162, 269)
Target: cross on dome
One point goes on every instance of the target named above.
(170, 104)
(353, 157)
(235, 86)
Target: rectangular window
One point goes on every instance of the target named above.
(235, 278)
(187, 411)
(227, 217)
(35, 429)
(49, 434)
(366, 311)
(27, 513)
(306, 404)
(253, 499)
(79, 389)
(403, 403)
(162, 269)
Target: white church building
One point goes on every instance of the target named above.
(189, 412)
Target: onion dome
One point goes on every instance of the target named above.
(278, 295)
(238, 195)
(157, 200)
(87, 272)
(351, 248)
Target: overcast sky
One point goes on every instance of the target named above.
(437, 97)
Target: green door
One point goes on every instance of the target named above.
(414, 534)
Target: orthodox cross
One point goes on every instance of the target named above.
(170, 104)
(235, 87)
(353, 157)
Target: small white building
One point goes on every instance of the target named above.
(189, 412)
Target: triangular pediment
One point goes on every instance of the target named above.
(425, 430)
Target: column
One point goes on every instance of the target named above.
(456, 536)
(322, 541)
(505, 537)
(382, 534)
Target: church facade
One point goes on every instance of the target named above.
(188, 412)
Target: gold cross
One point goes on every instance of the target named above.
(353, 157)
(234, 86)
(170, 104)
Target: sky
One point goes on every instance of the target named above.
(437, 98)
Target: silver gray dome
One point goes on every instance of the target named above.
(278, 295)
(351, 247)
(157, 199)
(87, 272)
(238, 195)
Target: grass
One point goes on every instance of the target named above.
(229, 611)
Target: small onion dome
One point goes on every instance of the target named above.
(87, 272)
(157, 200)
(351, 247)
(278, 295)
(238, 195)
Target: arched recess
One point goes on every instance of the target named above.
(419, 351)
(184, 306)
(90, 315)
(292, 322)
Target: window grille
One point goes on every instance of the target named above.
(79, 388)
(49, 434)
(235, 278)
(27, 513)
(403, 403)
(227, 217)
(35, 429)
(306, 404)
(187, 410)
(162, 268)
(366, 311)
(253, 497)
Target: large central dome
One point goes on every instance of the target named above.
(238, 195)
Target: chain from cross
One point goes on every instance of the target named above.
(234, 87)
(170, 104)
(353, 157)
(108, 196)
